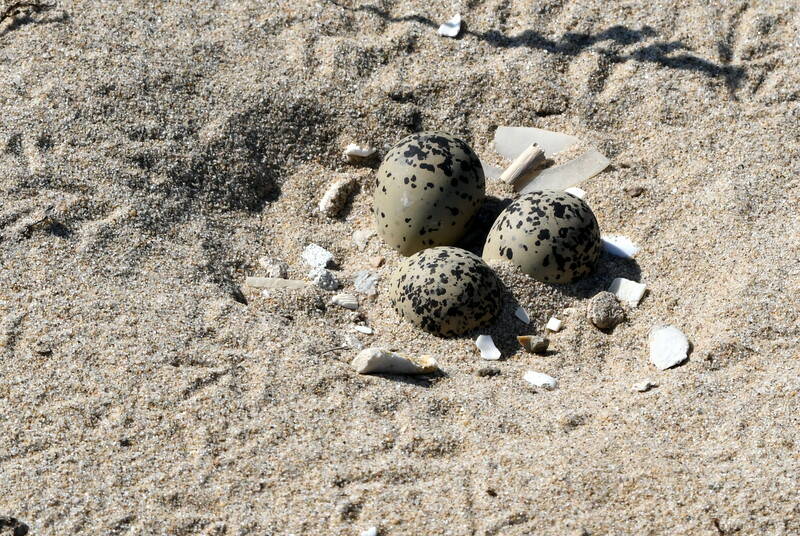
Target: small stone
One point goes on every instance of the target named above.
(317, 256)
(274, 268)
(668, 347)
(336, 196)
(377, 361)
(644, 386)
(604, 311)
(634, 191)
(324, 279)
(554, 324)
(362, 236)
(539, 379)
(366, 330)
(487, 372)
(366, 282)
(533, 343)
(450, 28)
(377, 262)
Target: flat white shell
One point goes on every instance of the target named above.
(567, 175)
(362, 236)
(359, 151)
(522, 315)
(539, 379)
(577, 192)
(450, 28)
(668, 347)
(488, 350)
(316, 256)
(372, 531)
(377, 361)
(627, 291)
(348, 301)
(644, 386)
(554, 324)
(363, 329)
(620, 246)
(511, 141)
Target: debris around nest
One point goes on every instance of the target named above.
(361, 237)
(522, 314)
(524, 166)
(274, 268)
(450, 28)
(567, 175)
(534, 343)
(604, 311)
(317, 256)
(366, 330)
(366, 282)
(324, 279)
(668, 347)
(510, 142)
(356, 154)
(348, 301)
(620, 246)
(335, 197)
(554, 324)
(644, 386)
(539, 379)
(577, 192)
(487, 348)
(377, 361)
(627, 291)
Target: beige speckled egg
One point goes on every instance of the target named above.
(550, 235)
(427, 189)
(446, 291)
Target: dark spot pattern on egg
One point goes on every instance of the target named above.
(446, 291)
(427, 189)
(550, 235)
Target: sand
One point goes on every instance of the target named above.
(151, 153)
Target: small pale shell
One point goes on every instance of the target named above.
(348, 301)
(488, 350)
(619, 246)
(376, 361)
(554, 324)
(363, 329)
(540, 379)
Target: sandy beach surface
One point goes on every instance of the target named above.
(152, 152)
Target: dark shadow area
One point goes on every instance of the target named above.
(573, 43)
(15, 527)
(422, 380)
(20, 14)
(608, 268)
(478, 229)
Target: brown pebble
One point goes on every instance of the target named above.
(377, 262)
(532, 343)
(604, 311)
(634, 191)
(488, 371)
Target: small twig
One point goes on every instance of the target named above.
(16, 7)
(334, 350)
(524, 165)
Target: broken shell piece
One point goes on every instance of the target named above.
(317, 256)
(510, 142)
(490, 171)
(274, 282)
(644, 386)
(577, 192)
(335, 197)
(324, 279)
(540, 379)
(566, 175)
(372, 531)
(362, 236)
(450, 28)
(348, 301)
(366, 282)
(627, 291)
(488, 350)
(533, 343)
(554, 324)
(522, 315)
(668, 347)
(363, 329)
(619, 246)
(377, 361)
(524, 166)
(357, 153)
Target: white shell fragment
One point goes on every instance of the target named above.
(522, 315)
(366, 282)
(362, 236)
(377, 361)
(450, 28)
(488, 350)
(644, 386)
(335, 197)
(539, 379)
(510, 142)
(366, 330)
(554, 324)
(324, 279)
(348, 301)
(620, 246)
(490, 171)
(356, 153)
(668, 347)
(577, 192)
(317, 256)
(274, 283)
(627, 291)
(567, 175)
(372, 531)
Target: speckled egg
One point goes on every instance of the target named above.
(550, 235)
(446, 291)
(427, 189)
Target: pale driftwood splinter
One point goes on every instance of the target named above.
(274, 282)
(524, 165)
